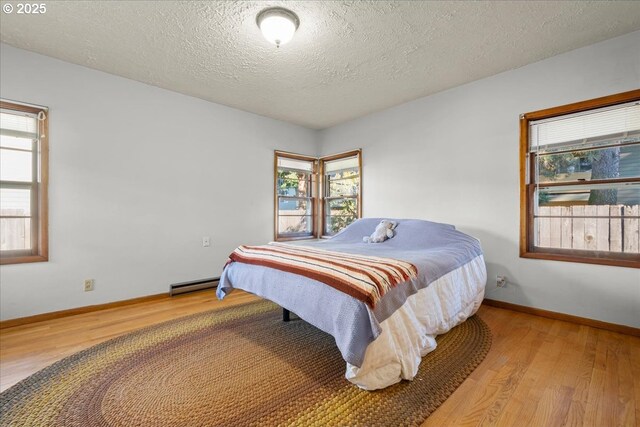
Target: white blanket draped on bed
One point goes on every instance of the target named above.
(410, 332)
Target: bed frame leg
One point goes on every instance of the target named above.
(285, 315)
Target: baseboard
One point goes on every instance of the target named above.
(193, 285)
(79, 310)
(623, 329)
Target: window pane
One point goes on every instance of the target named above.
(333, 224)
(12, 142)
(291, 183)
(15, 234)
(295, 224)
(15, 202)
(342, 206)
(589, 217)
(15, 165)
(294, 207)
(589, 194)
(339, 213)
(606, 163)
(343, 183)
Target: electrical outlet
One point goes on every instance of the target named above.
(89, 284)
(501, 281)
(206, 242)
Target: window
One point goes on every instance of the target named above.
(295, 196)
(341, 198)
(580, 182)
(23, 183)
(316, 197)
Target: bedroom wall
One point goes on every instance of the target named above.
(138, 175)
(453, 157)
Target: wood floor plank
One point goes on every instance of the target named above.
(634, 364)
(613, 405)
(626, 396)
(539, 371)
(594, 406)
(552, 407)
(534, 384)
(512, 375)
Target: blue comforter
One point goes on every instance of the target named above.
(435, 249)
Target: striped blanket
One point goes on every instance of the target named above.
(366, 278)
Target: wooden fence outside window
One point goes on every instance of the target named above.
(612, 228)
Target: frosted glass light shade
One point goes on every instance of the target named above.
(278, 25)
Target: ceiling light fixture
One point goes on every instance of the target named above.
(278, 24)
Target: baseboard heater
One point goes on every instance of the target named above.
(194, 285)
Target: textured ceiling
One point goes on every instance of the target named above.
(346, 60)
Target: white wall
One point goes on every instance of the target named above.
(138, 175)
(453, 157)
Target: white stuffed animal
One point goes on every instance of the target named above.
(383, 231)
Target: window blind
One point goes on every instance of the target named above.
(293, 164)
(342, 164)
(18, 125)
(611, 125)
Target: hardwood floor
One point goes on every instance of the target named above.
(539, 372)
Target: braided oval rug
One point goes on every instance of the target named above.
(233, 367)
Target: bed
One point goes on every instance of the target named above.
(385, 343)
